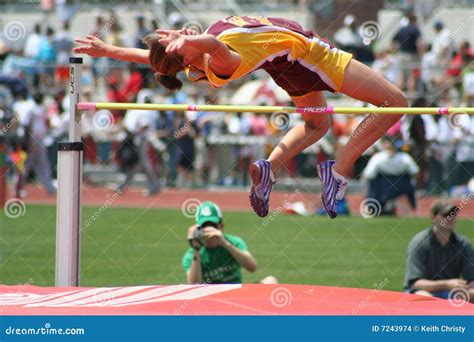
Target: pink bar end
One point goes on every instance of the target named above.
(86, 106)
(443, 111)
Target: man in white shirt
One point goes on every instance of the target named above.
(464, 140)
(142, 124)
(389, 174)
(442, 48)
(32, 44)
(36, 129)
(441, 148)
(63, 43)
(31, 51)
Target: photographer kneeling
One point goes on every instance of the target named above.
(215, 257)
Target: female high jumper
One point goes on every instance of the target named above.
(299, 61)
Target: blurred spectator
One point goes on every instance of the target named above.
(115, 37)
(350, 39)
(155, 25)
(439, 135)
(141, 126)
(115, 94)
(215, 257)
(464, 141)
(99, 65)
(36, 128)
(18, 157)
(184, 132)
(389, 174)
(63, 43)
(174, 154)
(467, 75)
(442, 48)
(133, 84)
(388, 65)
(409, 49)
(458, 62)
(437, 257)
(428, 74)
(31, 51)
(419, 143)
(21, 108)
(347, 37)
(142, 31)
(47, 59)
(32, 45)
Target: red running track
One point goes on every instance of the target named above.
(227, 200)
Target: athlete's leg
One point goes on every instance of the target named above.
(364, 84)
(301, 136)
(294, 142)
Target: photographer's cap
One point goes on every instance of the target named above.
(208, 212)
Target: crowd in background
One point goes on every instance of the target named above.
(196, 149)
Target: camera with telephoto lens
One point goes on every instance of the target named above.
(198, 239)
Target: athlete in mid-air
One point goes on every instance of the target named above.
(299, 61)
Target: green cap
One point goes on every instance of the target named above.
(208, 212)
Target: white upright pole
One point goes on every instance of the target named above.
(68, 214)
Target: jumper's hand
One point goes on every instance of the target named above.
(173, 41)
(184, 31)
(188, 32)
(91, 46)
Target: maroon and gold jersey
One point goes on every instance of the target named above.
(299, 61)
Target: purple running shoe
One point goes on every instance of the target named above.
(262, 183)
(333, 189)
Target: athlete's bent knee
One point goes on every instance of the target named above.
(320, 125)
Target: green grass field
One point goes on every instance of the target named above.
(127, 246)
